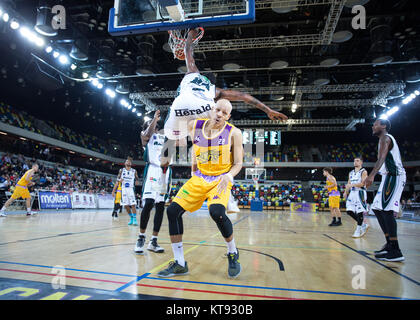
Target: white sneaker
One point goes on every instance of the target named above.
(153, 246)
(357, 232)
(364, 229)
(2, 214)
(232, 206)
(30, 213)
(140, 244)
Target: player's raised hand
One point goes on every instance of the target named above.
(193, 33)
(157, 115)
(274, 115)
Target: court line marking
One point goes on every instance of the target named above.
(152, 286)
(281, 289)
(132, 282)
(208, 283)
(376, 261)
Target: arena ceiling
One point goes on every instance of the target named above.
(307, 54)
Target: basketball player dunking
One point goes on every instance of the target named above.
(217, 159)
(356, 196)
(195, 98)
(387, 199)
(156, 184)
(333, 197)
(22, 191)
(127, 176)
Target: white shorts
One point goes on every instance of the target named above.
(156, 185)
(389, 193)
(186, 107)
(127, 197)
(356, 201)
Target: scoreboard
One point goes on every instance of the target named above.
(272, 138)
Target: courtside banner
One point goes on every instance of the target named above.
(105, 201)
(83, 200)
(302, 207)
(54, 200)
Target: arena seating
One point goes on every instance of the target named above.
(320, 194)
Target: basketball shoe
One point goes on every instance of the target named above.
(174, 269)
(140, 244)
(153, 246)
(234, 267)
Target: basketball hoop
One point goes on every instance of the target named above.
(178, 39)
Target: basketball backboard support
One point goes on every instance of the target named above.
(149, 16)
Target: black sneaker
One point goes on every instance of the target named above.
(332, 223)
(140, 244)
(392, 255)
(338, 223)
(384, 249)
(174, 269)
(153, 246)
(234, 268)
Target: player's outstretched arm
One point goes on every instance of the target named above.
(189, 52)
(147, 134)
(233, 95)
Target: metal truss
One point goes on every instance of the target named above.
(282, 41)
(293, 122)
(268, 4)
(383, 88)
(381, 97)
(312, 104)
(309, 129)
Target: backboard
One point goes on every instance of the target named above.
(255, 174)
(149, 16)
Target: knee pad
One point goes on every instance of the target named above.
(218, 214)
(174, 213)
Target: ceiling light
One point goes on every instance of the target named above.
(417, 92)
(85, 75)
(39, 41)
(56, 54)
(412, 95)
(138, 114)
(63, 59)
(14, 24)
(73, 66)
(123, 102)
(129, 107)
(100, 85)
(134, 110)
(110, 93)
(5, 17)
(383, 116)
(48, 49)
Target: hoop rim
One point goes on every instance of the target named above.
(172, 35)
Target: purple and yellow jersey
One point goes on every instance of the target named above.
(332, 191)
(23, 182)
(214, 156)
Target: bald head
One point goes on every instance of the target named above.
(221, 112)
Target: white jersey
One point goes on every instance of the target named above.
(356, 178)
(197, 85)
(154, 149)
(393, 163)
(195, 99)
(127, 178)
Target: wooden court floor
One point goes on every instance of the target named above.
(284, 255)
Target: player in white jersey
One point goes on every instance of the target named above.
(127, 176)
(196, 96)
(156, 184)
(356, 196)
(387, 199)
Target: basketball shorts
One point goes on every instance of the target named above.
(200, 188)
(127, 197)
(334, 201)
(20, 192)
(186, 107)
(356, 201)
(118, 196)
(389, 193)
(156, 184)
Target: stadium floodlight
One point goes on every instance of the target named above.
(1, 12)
(100, 85)
(138, 114)
(14, 24)
(25, 32)
(129, 107)
(392, 111)
(124, 102)
(413, 96)
(56, 54)
(85, 75)
(39, 41)
(417, 92)
(383, 116)
(48, 49)
(63, 59)
(5, 17)
(134, 110)
(95, 82)
(73, 66)
(110, 93)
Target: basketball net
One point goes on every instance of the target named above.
(178, 39)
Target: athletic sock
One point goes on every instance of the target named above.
(231, 247)
(339, 219)
(360, 218)
(28, 210)
(153, 237)
(142, 234)
(394, 244)
(178, 250)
